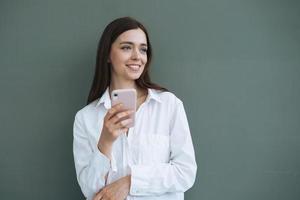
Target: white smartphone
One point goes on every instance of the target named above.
(128, 98)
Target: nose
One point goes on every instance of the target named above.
(135, 54)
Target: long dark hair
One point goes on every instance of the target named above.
(102, 76)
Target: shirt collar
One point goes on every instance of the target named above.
(105, 99)
(153, 94)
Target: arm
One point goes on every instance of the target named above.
(91, 166)
(176, 176)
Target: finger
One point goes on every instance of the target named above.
(123, 124)
(124, 130)
(98, 196)
(113, 110)
(121, 116)
(111, 123)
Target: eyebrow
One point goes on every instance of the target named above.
(127, 42)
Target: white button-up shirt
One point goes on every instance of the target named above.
(158, 151)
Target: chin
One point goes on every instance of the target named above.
(134, 76)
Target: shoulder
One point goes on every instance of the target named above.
(171, 105)
(167, 97)
(87, 111)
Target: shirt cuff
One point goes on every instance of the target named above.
(102, 160)
(101, 163)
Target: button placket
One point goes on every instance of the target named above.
(130, 140)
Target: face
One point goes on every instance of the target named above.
(128, 55)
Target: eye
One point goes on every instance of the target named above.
(126, 48)
(144, 50)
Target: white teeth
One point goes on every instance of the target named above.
(133, 67)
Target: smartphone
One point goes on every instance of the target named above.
(128, 98)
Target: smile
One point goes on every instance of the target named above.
(134, 67)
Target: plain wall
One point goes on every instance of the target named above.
(235, 64)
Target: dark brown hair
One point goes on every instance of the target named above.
(102, 76)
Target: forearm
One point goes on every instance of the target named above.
(92, 174)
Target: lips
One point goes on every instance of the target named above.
(134, 67)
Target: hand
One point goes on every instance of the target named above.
(116, 121)
(117, 190)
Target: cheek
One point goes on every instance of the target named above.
(145, 59)
(117, 60)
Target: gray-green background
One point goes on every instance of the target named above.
(234, 63)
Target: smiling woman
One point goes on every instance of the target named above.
(128, 56)
(152, 160)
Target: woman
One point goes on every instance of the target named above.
(152, 160)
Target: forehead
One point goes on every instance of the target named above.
(134, 35)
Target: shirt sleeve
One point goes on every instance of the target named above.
(176, 176)
(91, 166)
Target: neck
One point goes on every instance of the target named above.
(118, 84)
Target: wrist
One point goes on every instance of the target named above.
(105, 148)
